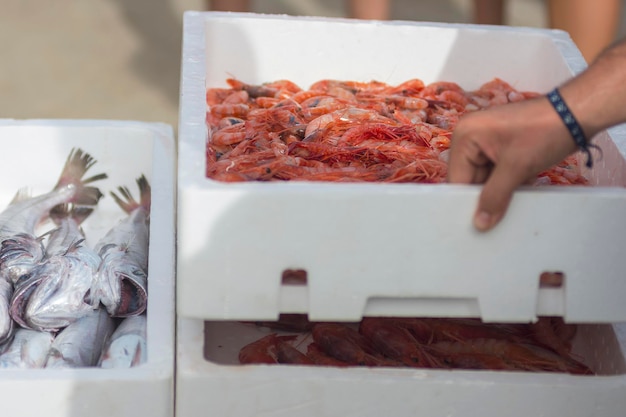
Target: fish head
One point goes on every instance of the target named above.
(60, 297)
(18, 255)
(121, 286)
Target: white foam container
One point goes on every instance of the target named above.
(225, 388)
(33, 153)
(379, 249)
(388, 249)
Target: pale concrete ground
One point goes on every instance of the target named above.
(120, 59)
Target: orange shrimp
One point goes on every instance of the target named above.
(455, 99)
(229, 121)
(543, 331)
(303, 95)
(451, 356)
(346, 344)
(408, 88)
(286, 353)
(381, 131)
(396, 343)
(262, 350)
(408, 103)
(267, 102)
(320, 105)
(280, 115)
(253, 90)
(410, 116)
(352, 86)
(425, 171)
(433, 90)
(522, 356)
(276, 120)
(217, 95)
(229, 135)
(332, 125)
(226, 110)
(319, 357)
(237, 97)
(455, 330)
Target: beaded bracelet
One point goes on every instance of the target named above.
(571, 123)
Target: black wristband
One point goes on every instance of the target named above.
(571, 123)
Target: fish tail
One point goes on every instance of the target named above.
(77, 164)
(76, 212)
(128, 203)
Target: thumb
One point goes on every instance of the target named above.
(495, 196)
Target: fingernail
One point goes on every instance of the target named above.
(482, 220)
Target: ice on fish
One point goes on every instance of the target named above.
(127, 347)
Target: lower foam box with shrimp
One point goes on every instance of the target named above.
(251, 251)
(86, 330)
(209, 376)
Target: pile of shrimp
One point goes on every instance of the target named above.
(543, 346)
(347, 130)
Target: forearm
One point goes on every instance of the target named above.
(597, 97)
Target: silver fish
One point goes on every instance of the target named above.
(121, 281)
(80, 344)
(127, 347)
(6, 323)
(28, 349)
(57, 292)
(20, 249)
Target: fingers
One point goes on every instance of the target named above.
(468, 164)
(496, 195)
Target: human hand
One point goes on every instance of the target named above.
(505, 147)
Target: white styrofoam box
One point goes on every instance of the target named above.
(33, 154)
(388, 249)
(227, 389)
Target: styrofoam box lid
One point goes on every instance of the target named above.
(388, 249)
(33, 153)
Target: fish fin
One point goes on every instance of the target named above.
(127, 202)
(77, 164)
(21, 195)
(68, 210)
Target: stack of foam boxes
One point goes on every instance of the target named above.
(385, 250)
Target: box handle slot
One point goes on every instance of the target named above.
(294, 277)
(551, 279)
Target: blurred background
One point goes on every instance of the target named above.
(120, 59)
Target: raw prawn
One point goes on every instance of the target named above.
(396, 343)
(262, 350)
(377, 119)
(346, 344)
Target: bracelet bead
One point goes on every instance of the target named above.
(571, 124)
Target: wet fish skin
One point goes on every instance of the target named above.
(18, 221)
(20, 249)
(59, 297)
(66, 276)
(6, 323)
(27, 349)
(127, 347)
(121, 281)
(80, 344)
